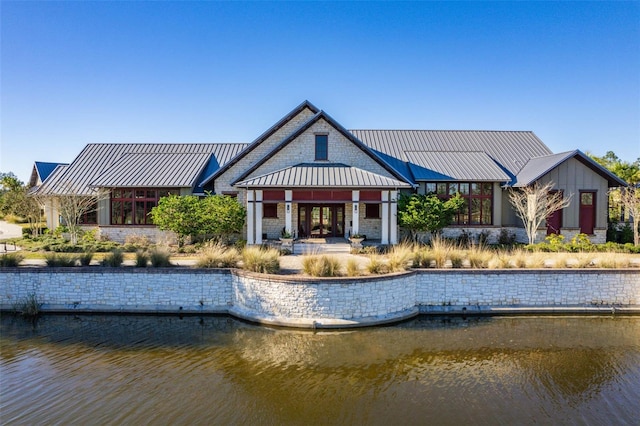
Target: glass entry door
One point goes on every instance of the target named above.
(321, 221)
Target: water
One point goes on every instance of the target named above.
(216, 370)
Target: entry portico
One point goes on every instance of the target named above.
(324, 200)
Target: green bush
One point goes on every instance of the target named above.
(10, 260)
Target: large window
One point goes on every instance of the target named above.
(131, 206)
(322, 149)
(90, 217)
(478, 196)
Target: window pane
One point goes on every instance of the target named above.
(442, 189)
(127, 210)
(453, 189)
(372, 211)
(127, 193)
(464, 189)
(486, 211)
(117, 193)
(116, 212)
(586, 198)
(321, 147)
(487, 188)
(463, 216)
(430, 187)
(475, 188)
(475, 211)
(140, 193)
(139, 213)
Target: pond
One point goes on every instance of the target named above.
(99, 369)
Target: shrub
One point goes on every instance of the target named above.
(352, 268)
(218, 256)
(376, 265)
(457, 258)
(160, 257)
(137, 240)
(321, 265)
(85, 258)
(422, 257)
(500, 261)
(10, 259)
(399, 257)
(142, 259)
(60, 260)
(506, 238)
(478, 257)
(113, 259)
(261, 260)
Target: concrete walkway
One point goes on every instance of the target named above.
(7, 231)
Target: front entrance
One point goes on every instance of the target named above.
(320, 220)
(587, 212)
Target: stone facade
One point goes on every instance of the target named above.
(330, 302)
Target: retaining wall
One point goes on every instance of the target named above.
(322, 303)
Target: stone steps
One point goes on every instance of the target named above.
(315, 248)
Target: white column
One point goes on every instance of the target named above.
(258, 216)
(355, 214)
(393, 217)
(250, 220)
(385, 217)
(288, 208)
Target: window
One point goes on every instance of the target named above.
(478, 196)
(372, 211)
(322, 149)
(90, 217)
(131, 206)
(270, 210)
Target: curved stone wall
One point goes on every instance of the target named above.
(322, 303)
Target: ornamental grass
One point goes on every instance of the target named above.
(400, 257)
(160, 257)
(10, 259)
(321, 265)
(218, 256)
(262, 260)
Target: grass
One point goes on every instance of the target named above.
(321, 265)
(218, 256)
(29, 306)
(142, 259)
(160, 257)
(400, 257)
(262, 260)
(352, 268)
(377, 265)
(10, 260)
(61, 260)
(113, 259)
(85, 258)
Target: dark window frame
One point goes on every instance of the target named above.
(369, 211)
(476, 194)
(322, 147)
(270, 210)
(131, 206)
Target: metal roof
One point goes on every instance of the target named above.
(153, 170)
(334, 175)
(540, 166)
(96, 159)
(510, 149)
(462, 166)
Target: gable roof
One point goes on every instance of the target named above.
(311, 121)
(336, 175)
(131, 159)
(446, 165)
(511, 150)
(540, 166)
(41, 171)
(250, 147)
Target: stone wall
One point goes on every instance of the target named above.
(322, 303)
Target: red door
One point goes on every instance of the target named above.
(587, 211)
(554, 221)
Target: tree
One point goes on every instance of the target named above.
(629, 172)
(420, 213)
(180, 214)
(73, 204)
(15, 199)
(218, 216)
(221, 216)
(535, 203)
(630, 199)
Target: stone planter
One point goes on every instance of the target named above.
(286, 242)
(356, 242)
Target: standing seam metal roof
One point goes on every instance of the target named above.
(477, 166)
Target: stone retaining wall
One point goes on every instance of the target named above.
(322, 303)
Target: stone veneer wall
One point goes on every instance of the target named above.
(322, 303)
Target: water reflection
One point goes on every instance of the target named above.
(131, 369)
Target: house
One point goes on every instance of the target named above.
(311, 176)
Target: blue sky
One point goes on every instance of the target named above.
(74, 73)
